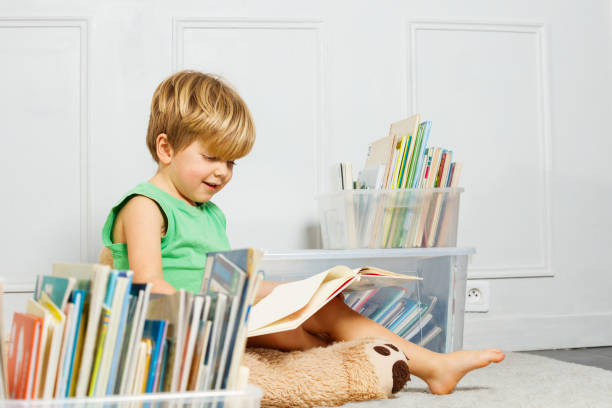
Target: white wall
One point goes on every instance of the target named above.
(520, 91)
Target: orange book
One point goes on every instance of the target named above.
(23, 355)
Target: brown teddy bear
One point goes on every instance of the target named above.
(356, 370)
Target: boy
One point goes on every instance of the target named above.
(197, 129)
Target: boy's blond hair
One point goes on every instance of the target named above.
(190, 105)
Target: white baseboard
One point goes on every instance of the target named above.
(521, 333)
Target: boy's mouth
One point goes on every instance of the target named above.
(211, 185)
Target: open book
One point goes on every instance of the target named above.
(290, 304)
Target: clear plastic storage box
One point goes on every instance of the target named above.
(438, 299)
(408, 218)
(247, 398)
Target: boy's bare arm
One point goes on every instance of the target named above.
(139, 224)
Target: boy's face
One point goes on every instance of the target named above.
(198, 175)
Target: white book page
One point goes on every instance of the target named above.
(284, 300)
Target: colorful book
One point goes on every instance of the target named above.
(60, 381)
(172, 309)
(58, 323)
(94, 277)
(57, 288)
(78, 298)
(128, 364)
(155, 331)
(23, 355)
(120, 331)
(103, 330)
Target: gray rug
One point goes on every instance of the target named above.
(521, 380)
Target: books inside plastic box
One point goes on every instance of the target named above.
(408, 218)
(247, 398)
(427, 312)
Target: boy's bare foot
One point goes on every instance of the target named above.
(453, 366)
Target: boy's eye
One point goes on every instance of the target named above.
(230, 163)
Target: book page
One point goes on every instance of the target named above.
(288, 298)
(371, 278)
(284, 300)
(335, 280)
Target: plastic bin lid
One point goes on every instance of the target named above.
(272, 255)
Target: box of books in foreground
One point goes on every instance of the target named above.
(407, 218)
(89, 331)
(427, 311)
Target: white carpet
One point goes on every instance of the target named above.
(521, 380)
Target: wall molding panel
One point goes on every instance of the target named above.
(180, 25)
(538, 34)
(82, 27)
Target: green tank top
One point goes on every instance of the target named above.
(192, 231)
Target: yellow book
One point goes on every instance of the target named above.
(103, 330)
(399, 161)
(147, 366)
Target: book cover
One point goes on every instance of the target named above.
(78, 298)
(171, 309)
(117, 300)
(120, 331)
(240, 265)
(382, 301)
(57, 288)
(198, 361)
(363, 297)
(410, 307)
(60, 381)
(103, 330)
(22, 356)
(36, 309)
(155, 331)
(190, 340)
(219, 311)
(57, 324)
(143, 291)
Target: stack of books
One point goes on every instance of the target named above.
(91, 331)
(397, 310)
(410, 209)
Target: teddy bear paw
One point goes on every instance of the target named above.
(390, 364)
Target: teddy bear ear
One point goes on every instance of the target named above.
(390, 365)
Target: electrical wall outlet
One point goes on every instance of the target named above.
(477, 296)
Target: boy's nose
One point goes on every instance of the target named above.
(222, 169)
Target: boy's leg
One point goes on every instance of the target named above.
(441, 372)
(298, 339)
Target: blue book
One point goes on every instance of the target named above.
(410, 307)
(110, 288)
(78, 299)
(155, 330)
(383, 300)
(57, 288)
(164, 363)
(397, 310)
(120, 333)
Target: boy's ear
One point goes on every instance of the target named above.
(163, 149)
